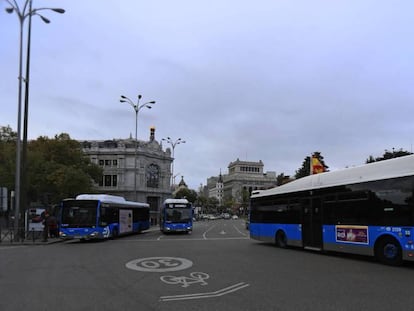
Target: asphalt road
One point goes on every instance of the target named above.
(217, 267)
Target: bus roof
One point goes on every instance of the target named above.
(396, 167)
(182, 201)
(106, 198)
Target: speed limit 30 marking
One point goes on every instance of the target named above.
(159, 264)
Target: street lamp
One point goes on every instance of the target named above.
(173, 144)
(137, 107)
(22, 14)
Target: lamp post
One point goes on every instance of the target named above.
(137, 107)
(173, 144)
(22, 14)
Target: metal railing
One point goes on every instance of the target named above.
(7, 234)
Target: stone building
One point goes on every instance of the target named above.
(151, 173)
(216, 188)
(243, 177)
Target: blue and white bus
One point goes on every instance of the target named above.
(367, 210)
(100, 216)
(176, 216)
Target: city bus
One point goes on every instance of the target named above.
(101, 216)
(176, 216)
(366, 210)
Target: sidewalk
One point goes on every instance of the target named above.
(7, 239)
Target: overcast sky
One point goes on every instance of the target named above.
(270, 80)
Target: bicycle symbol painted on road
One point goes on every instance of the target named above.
(159, 264)
(185, 281)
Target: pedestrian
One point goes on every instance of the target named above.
(45, 219)
(52, 226)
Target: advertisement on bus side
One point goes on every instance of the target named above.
(352, 234)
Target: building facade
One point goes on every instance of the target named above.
(126, 163)
(243, 177)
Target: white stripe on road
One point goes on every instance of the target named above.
(238, 230)
(204, 234)
(218, 293)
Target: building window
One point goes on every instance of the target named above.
(153, 176)
(108, 162)
(109, 181)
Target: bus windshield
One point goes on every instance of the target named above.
(79, 214)
(177, 215)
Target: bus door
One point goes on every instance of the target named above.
(312, 223)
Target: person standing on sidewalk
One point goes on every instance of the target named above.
(52, 226)
(45, 219)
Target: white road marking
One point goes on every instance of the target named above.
(238, 230)
(218, 293)
(159, 264)
(185, 281)
(204, 234)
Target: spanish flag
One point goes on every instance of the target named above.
(316, 166)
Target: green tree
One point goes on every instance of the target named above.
(7, 133)
(282, 179)
(186, 193)
(7, 157)
(245, 199)
(201, 200)
(59, 169)
(305, 169)
(388, 155)
(212, 203)
(56, 169)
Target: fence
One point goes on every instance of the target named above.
(7, 234)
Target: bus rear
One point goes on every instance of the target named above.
(176, 216)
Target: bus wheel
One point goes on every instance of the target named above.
(281, 240)
(388, 251)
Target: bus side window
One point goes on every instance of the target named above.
(104, 221)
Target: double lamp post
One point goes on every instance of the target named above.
(137, 107)
(27, 11)
(173, 145)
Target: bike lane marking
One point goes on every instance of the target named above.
(185, 281)
(168, 264)
(218, 293)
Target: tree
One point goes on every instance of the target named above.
(229, 202)
(305, 169)
(282, 179)
(212, 204)
(56, 169)
(7, 134)
(59, 169)
(7, 157)
(388, 155)
(186, 193)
